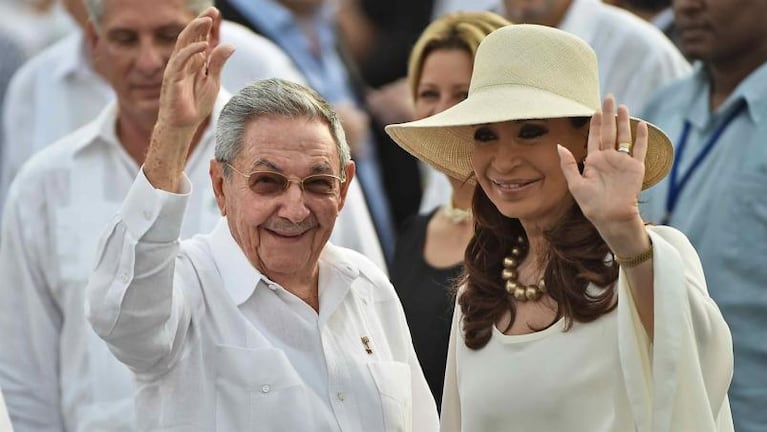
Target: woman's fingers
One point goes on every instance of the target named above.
(607, 141)
(595, 133)
(569, 166)
(640, 144)
(624, 128)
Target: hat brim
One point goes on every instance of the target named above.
(444, 139)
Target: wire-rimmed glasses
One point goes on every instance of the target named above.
(270, 183)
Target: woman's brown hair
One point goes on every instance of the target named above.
(576, 257)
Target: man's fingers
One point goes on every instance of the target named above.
(218, 58)
(195, 31)
(180, 59)
(210, 12)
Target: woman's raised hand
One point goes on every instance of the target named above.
(608, 190)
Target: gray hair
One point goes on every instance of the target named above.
(274, 97)
(96, 9)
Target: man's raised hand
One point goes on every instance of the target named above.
(190, 86)
(193, 75)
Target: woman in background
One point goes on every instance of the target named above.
(430, 250)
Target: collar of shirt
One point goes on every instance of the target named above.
(103, 129)
(78, 64)
(241, 278)
(753, 90)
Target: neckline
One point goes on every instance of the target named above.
(512, 339)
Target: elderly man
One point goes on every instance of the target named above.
(260, 325)
(56, 374)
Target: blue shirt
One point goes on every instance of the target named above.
(723, 211)
(324, 70)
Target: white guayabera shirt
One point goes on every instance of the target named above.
(216, 345)
(55, 372)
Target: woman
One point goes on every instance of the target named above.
(573, 315)
(430, 250)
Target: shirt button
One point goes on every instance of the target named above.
(147, 215)
(266, 388)
(341, 396)
(124, 277)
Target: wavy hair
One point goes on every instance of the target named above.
(458, 30)
(576, 257)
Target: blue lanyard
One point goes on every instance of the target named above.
(675, 184)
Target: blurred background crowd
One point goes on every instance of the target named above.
(695, 67)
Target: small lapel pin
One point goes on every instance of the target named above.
(366, 342)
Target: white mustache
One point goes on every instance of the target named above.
(287, 228)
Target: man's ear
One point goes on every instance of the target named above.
(92, 36)
(96, 45)
(350, 169)
(218, 180)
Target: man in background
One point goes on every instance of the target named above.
(717, 119)
(635, 58)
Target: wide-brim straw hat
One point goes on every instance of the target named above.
(521, 72)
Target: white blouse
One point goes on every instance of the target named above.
(604, 375)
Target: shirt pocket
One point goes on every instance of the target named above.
(77, 239)
(746, 237)
(393, 382)
(258, 389)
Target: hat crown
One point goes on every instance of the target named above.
(564, 65)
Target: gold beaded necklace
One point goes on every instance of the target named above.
(510, 274)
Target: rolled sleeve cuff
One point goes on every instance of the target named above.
(155, 215)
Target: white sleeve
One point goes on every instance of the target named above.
(133, 301)
(17, 140)
(450, 413)
(679, 380)
(30, 318)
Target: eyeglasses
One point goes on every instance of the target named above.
(274, 183)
